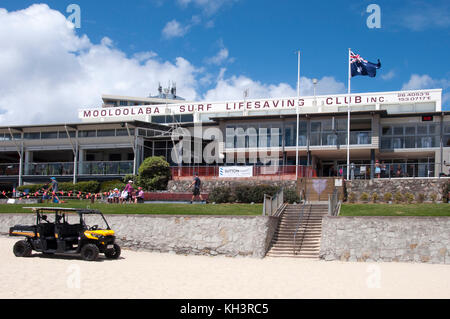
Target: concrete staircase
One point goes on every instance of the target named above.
(307, 239)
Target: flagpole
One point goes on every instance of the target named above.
(298, 102)
(348, 114)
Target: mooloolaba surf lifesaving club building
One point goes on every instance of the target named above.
(404, 133)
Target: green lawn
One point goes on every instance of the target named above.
(395, 210)
(156, 209)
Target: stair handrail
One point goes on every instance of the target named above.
(300, 217)
(334, 203)
(274, 205)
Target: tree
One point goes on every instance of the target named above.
(154, 173)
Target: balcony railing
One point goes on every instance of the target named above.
(49, 169)
(390, 170)
(66, 169)
(9, 169)
(106, 168)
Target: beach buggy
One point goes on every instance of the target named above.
(66, 231)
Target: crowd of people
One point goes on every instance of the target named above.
(127, 195)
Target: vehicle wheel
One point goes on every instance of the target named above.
(22, 249)
(113, 253)
(89, 252)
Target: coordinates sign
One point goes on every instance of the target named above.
(236, 171)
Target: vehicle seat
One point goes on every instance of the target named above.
(70, 232)
(47, 231)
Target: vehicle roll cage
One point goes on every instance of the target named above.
(61, 212)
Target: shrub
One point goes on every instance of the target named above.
(409, 198)
(364, 197)
(351, 197)
(33, 188)
(433, 197)
(154, 173)
(291, 195)
(130, 177)
(398, 197)
(446, 192)
(222, 194)
(253, 194)
(374, 197)
(110, 185)
(420, 198)
(387, 197)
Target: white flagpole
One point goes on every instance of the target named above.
(298, 102)
(348, 115)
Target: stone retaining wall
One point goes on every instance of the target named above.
(403, 239)
(426, 186)
(209, 185)
(200, 235)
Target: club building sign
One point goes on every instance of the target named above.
(312, 104)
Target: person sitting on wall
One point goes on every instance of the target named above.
(139, 198)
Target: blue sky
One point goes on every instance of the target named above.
(234, 40)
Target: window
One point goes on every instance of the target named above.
(49, 135)
(33, 136)
(87, 133)
(104, 133)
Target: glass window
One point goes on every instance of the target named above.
(123, 103)
(102, 133)
(447, 127)
(33, 136)
(49, 135)
(422, 130)
(410, 130)
(63, 134)
(121, 132)
(87, 133)
(398, 130)
(316, 126)
(187, 118)
(159, 119)
(387, 130)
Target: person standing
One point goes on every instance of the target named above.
(377, 169)
(54, 188)
(197, 186)
(129, 191)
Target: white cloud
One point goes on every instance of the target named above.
(234, 87)
(419, 82)
(221, 57)
(48, 72)
(421, 15)
(173, 29)
(209, 7)
(388, 76)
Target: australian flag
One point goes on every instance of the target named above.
(359, 66)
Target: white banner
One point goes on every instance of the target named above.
(143, 111)
(236, 171)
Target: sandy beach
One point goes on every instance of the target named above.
(155, 275)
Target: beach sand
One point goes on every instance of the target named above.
(157, 276)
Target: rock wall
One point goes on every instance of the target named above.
(209, 185)
(426, 186)
(403, 239)
(200, 235)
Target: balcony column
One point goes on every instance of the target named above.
(80, 161)
(28, 161)
(372, 163)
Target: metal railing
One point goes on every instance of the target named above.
(300, 220)
(106, 168)
(274, 205)
(393, 170)
(258, 170)
(48, 169)
(334, 203)
(9, 169)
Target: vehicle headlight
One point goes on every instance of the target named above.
(96, 235)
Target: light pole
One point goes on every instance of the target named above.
(298, 102)
(314, 81)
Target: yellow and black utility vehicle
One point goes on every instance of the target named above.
(67, 231)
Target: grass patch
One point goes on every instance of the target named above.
(395, 210)
(151, 209)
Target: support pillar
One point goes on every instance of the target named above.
(372, 164)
